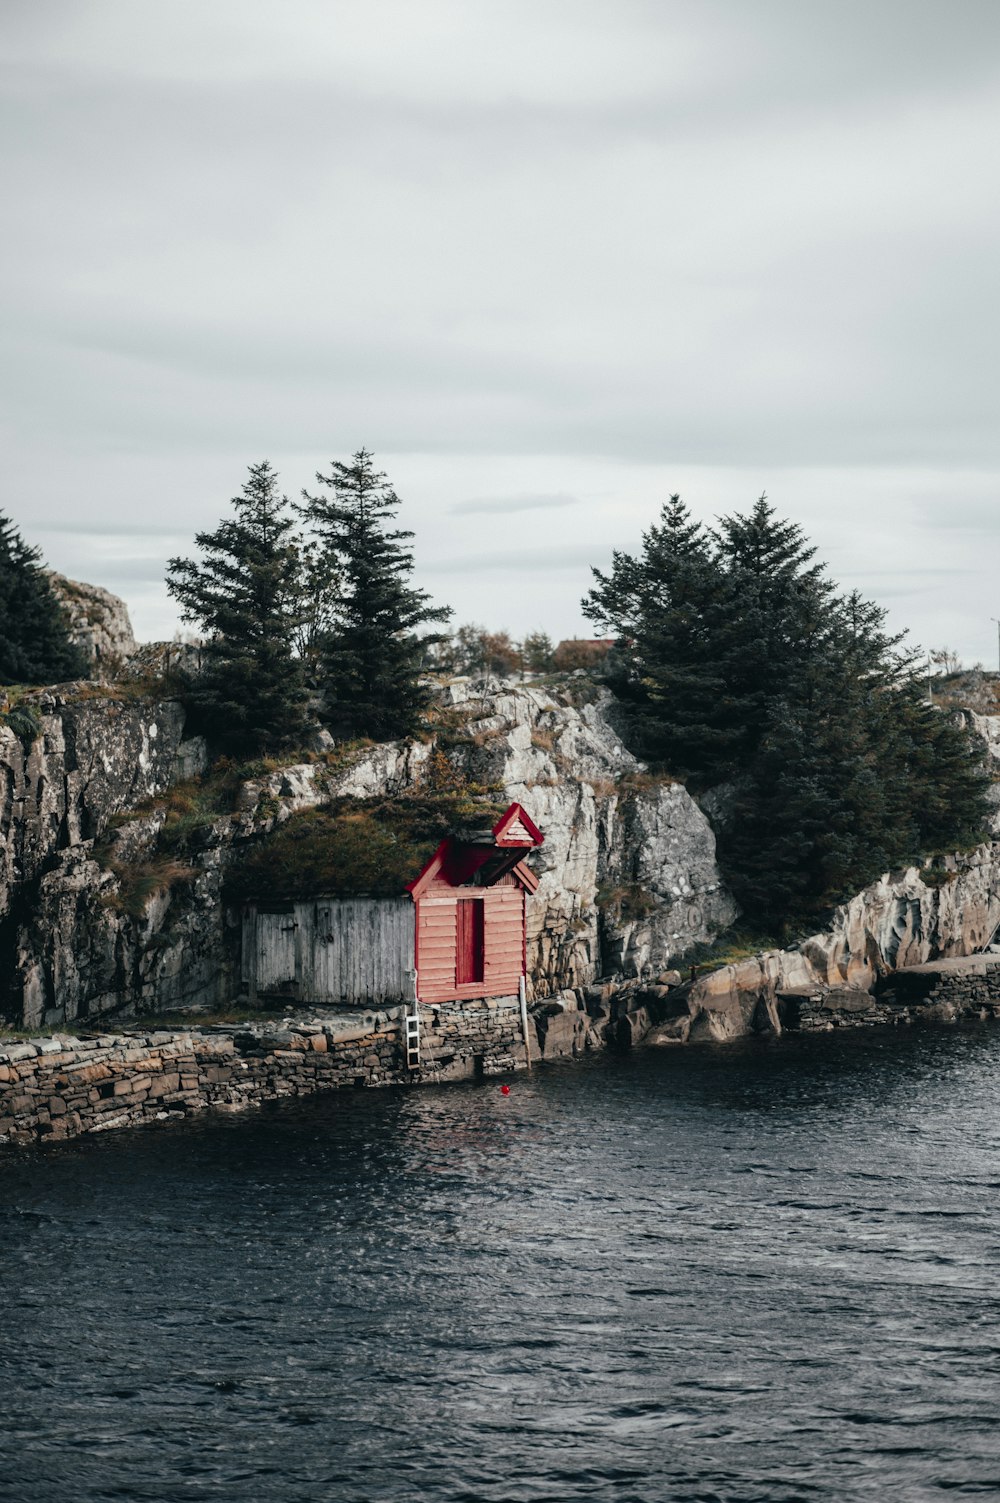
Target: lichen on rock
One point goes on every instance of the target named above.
(99, 624)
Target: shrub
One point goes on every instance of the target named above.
(25, 722)
(626, 902)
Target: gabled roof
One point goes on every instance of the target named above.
(515, 828)
(480, 858)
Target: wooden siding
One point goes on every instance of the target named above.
(269, 949)
(357, 951)
(503, 943)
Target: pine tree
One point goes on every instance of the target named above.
(776, 612)
(35, 645)
(739, 660)
(373, 654)
(244, 593)
(668, 608)
(537, 649)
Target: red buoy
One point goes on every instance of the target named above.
(505, 1090)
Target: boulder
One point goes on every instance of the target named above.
(99, 624)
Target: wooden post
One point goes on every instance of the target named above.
(522, 997)
(250, 941)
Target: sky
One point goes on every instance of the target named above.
(551, 260)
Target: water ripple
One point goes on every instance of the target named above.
(762, 1273)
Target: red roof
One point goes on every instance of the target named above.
(460, 862)
(515, 828)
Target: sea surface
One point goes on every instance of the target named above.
(769, 1271)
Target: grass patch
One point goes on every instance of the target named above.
(191, 807)
(25, 721)
(346, 754)
(729, 949)
(938, 876)
(142, 880)
(154, 688)
(354, 847)
(626, 902)
(645, 782)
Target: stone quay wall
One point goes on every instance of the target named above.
(963, 988)
(947, 991)
(61, 1087)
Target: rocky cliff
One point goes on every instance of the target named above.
(905, 919)
(104, 910)
(101, 916)
(628, 872)
(95, 757)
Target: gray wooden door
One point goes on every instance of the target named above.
(276, 942)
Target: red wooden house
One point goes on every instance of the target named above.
(470, 909)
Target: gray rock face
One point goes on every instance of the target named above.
(904, 919)
(62, 943)
(94, 758)
(99, 623)
(627, 872)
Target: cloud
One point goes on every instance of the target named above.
(501, 505)
(574, 557)
(628, 249)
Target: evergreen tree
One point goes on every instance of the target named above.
(537, 649)
(668, 608)
(318, 593)
(372, 657)
(244, 594)
(35, 646)
(739, 660)
(776, 615)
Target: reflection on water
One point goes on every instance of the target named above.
(766, 1272)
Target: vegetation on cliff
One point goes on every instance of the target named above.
(354, 847)
(35, 645)
(740, 663)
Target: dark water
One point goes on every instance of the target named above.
(763, 1273)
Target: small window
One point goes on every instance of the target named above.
(469, 941)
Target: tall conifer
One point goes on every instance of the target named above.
(244, 595)
(743, 663)
(667, 607)
(372, 657)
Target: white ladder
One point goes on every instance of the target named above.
(411, 1040)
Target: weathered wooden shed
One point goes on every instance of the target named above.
(456, 933)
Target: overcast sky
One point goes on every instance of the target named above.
(550, 259)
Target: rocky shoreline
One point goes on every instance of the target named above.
(63, 1086)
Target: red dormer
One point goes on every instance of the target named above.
(470, 911)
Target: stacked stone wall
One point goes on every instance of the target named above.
(61, 1087)
(949, 991)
